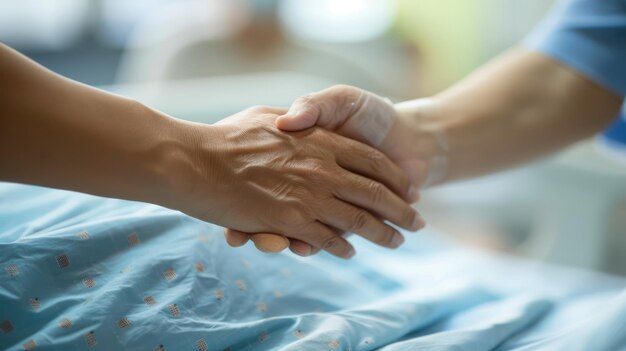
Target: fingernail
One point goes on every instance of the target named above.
(418, 222)
(303, 251)
(350, 253)
(414, 194)
(397, 240)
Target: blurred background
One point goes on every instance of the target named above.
(206, 59)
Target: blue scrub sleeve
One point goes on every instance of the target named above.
(588, 36)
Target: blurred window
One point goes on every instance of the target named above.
(43, 24)
(337, 20)
(120, 18)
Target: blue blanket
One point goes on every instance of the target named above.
(79, 272)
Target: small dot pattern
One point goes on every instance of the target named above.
(107, 274)
(65, 323)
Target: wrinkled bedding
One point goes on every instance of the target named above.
(79, 272)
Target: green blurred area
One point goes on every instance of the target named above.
(456, 36)
(448, 35)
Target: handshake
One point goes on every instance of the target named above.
(340, 160)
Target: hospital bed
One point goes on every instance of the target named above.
(78, 272)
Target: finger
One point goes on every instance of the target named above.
(377, 199)
(301, 248)
(322, 237)
(328, 108)
(353, 219)
(267, 242)
(235, 238)
(371, 163)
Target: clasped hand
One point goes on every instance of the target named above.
(310, 185)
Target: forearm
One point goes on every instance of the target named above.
(521, 106)
(59, 133)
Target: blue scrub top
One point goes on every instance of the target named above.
(590, 37)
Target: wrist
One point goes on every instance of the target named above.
(423, 119)
(168, 162)
(192, 169)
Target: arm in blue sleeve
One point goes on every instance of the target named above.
(589, 36)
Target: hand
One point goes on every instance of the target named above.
(366, 117)
(362, 116)
(307, 185)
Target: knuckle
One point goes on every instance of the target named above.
(343, 88)
(317, 170)
(330, 242)
(321, 176)
(311, 103)
(257, 109)
(359, 221)
(306, 99)
(377, 160)
(377, 193)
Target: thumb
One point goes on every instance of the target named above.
(328, 108)
(302, 114)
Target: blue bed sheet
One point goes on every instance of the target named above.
(79, 272)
